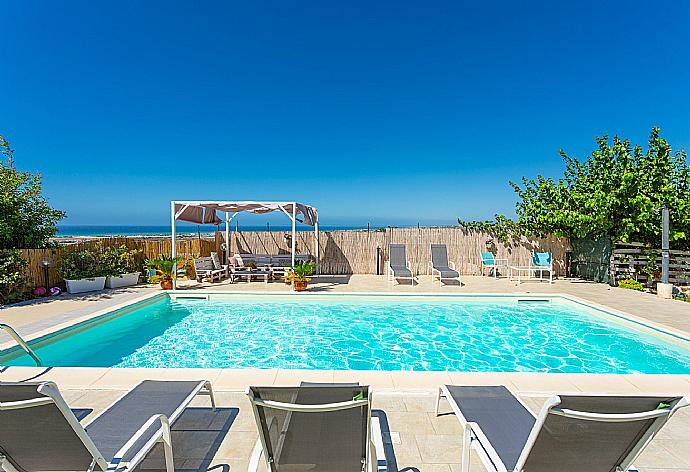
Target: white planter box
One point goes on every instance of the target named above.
(124, 280)
(85, 285)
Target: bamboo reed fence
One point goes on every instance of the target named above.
(340, 252)
(362, 252)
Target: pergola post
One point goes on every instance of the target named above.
(316, 238)
(173, 239)
(294, 231)
(227, 241)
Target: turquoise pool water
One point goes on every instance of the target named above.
(366, 333)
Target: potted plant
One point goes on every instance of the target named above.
(165, 270)
(299, 275)
(82, 270)
(120, 264)
(651, 269)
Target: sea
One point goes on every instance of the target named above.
(182, 229)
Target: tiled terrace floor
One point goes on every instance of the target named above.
(223, 441)
(421, 441)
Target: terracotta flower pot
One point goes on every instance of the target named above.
(300, 285)
(166, 284)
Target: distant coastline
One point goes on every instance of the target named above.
(93, 231)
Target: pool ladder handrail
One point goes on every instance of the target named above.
(20, 341)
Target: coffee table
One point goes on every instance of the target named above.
(520, 270)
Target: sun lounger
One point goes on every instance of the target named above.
(204, 268)
(441, 266)
(39, 432)
(571, 433)
(398, 267)
(493, 263)
(320, 427)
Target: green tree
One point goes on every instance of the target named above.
(26, 219)
(615, 192)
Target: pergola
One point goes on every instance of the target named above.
(204, 212)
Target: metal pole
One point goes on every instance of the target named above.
(316, 233)
(664, 243)
(173, 239)
(227, 239)
(294, 238)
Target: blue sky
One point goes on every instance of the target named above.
(385, 112)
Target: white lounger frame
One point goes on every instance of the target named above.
(374, 441)
(392, 277)
(474, 438)
(163, 435)
(433, 270)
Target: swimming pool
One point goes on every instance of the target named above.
(352, 332)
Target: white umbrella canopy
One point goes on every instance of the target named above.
(194, 209)
(204, 212)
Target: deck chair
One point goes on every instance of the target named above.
(572, 433)
(215, 258)
(320, 427)
(398, 267)
(39, 432)
(542, 262)
(204, 268)
(440, 266)
(493, 263)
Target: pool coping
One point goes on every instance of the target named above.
(238, 380)
(667, 333)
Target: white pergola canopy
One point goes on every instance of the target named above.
(204, 212)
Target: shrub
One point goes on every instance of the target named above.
(119, 260)
(81, 264)
(12, 276)
(631, 285)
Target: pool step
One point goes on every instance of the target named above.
(189, 296)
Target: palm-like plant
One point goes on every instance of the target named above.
(165, 267)
(302, 271)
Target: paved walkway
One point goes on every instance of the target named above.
(206, 441)
(421, 441)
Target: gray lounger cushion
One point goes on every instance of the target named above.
(562, 443)
(117, 425)
(575, 445)
(447, 272)
(332, 441)
(60, 448)
(439, 261)
(503, 419)
(396, 255)
(401, 271)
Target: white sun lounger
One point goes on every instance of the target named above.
(398, 267)
(320, 427)
(39, 432)
(440, 266)
(572, 433)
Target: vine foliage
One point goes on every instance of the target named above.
(616, 192)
